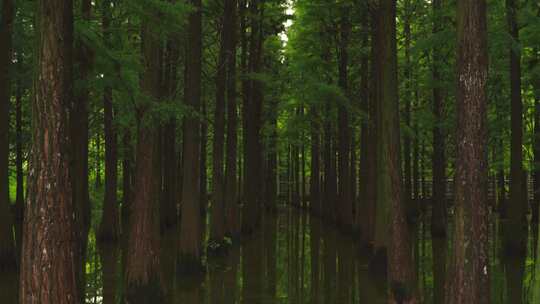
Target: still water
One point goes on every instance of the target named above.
(296, 259)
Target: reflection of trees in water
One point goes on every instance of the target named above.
(296, 258)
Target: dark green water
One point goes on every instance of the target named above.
(295, 259)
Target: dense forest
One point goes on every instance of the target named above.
(269, 151)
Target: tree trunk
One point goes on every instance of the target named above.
(438, 215)
(373, 139)
(468, 279)
(50, 240)
(314, 188)
(190, 224)
(7, 243)
(408, 100)
(517, 210)
(109, 227)
(143, 263)
(345, 199)
(363, 210)
(401, 272)
(168, 218)
(272, 160)
(203, 174)
(127, 193)
(217, 233)
(79, 135)
(252, 163)
(231, 179)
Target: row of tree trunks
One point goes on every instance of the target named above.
(7, 242)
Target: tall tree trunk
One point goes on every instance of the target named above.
(363, 209)
(231, 179)
(127, 193)
(203, 174)
(329, 168)
(408, 100)
(345, 199)
(438, 215)
(168, 218)
(109, 227)
(468, 279)
(517, 210)
(218, 183)
(50, 240)
(401, 272)
(315, 186)
(373, 139)
(190, 224)
(252, 163)
(272, 159)
(142, 277)
(79, 135)
(438, 222)
(7, 243)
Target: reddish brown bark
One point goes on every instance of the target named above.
(49, 262)
(401, 271)
(142, 277)
(468, 279)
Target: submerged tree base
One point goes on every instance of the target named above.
(144, 293)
